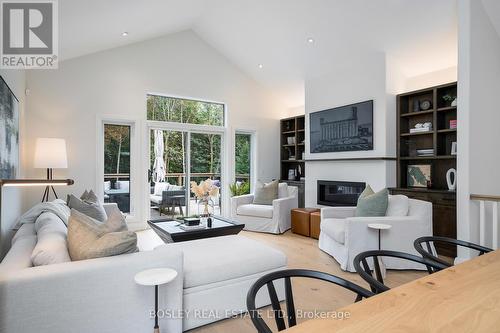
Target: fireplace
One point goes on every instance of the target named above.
(334, 193)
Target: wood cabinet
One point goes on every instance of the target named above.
(444, 214)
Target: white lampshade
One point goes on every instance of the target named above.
(50, 153)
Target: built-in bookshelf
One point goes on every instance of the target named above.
(292, 153)
(435, 147)
(292, 147)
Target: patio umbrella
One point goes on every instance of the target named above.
(159, 164)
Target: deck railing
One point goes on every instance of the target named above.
(483, 200)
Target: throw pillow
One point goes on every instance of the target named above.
(51, 246)
(160, 187)
(88, 238)
(282, 190)
(398, 205)
(372, 204)
(94, 210)
(85, 195)
(266, 193)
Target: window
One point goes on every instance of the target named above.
(117, 165)
(178, 110)
(243, 158)
(180, 154)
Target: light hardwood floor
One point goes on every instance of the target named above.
(309, 295)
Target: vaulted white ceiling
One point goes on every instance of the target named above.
(421, 35)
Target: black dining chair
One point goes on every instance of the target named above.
(287, 276)
(377, 283)
(430, 252)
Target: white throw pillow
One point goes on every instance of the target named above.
(160, 187)
(107, 185)
(282, 190)
(51, 246)
(398, 205)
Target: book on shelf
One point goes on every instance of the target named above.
(420, 130)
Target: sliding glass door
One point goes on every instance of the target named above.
(176, 159)
(205, 163)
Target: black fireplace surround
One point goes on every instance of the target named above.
(335, 193)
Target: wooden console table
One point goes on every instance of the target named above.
(463, 298)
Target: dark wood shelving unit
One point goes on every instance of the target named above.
(292, 154)
(440, 138)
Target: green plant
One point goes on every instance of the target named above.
(238, 188)
(449, 98)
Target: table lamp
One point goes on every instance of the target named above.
(50, 153)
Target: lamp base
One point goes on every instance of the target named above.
(46, 193)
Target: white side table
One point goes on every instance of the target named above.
(380, 227)
(155, 277)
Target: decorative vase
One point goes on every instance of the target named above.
(454, 103)
(205, 209)
(452, 183)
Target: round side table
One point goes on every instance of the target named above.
(380, 227)
(155, 277)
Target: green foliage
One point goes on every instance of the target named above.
(242, 155)
(238, 188)
(205, 148)
(116, 149)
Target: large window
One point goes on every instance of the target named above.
(178, 110)
(243, 157)
(117, 165)
(182, 154)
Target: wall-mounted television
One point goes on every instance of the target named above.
(345, 128)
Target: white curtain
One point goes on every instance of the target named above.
(159, 164)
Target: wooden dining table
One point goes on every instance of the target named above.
(462, 298)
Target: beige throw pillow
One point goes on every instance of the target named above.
(89, 238)
(266, 193)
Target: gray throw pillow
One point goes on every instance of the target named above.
(266, 193)
(89, 238)
(92, 209)
(371, 203)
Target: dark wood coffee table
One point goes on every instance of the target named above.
(170, 231)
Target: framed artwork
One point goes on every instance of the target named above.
(9, 132)
(345, 128)
(419, 175)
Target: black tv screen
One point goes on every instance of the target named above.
(345, 128)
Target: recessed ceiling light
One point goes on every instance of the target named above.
(260, 65)
(310, 40)
(124, 34)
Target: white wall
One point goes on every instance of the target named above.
(66, 102)
(364, 80)
(12, 198)
(423, 81)
(479, 116)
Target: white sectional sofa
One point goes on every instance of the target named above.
(99, 295)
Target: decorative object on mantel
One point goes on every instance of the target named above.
(425, 105)
(452, 183)
(419, 175)
(454, 148)
(50, 153)
(345, 128)
(421, 127)
(204, 192)
(9, 127)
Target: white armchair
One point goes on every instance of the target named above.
(273, 218)
(344, 236)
